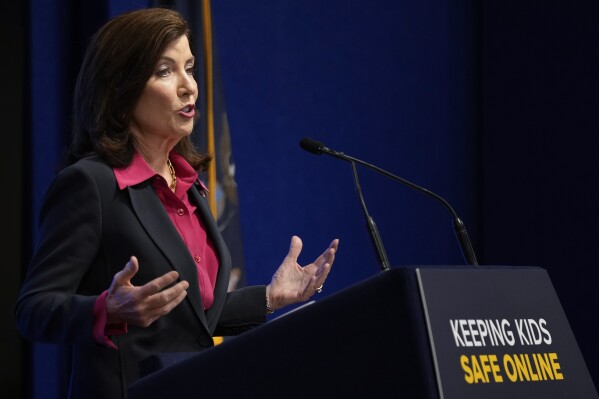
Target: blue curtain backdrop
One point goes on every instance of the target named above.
(422, 89)
(390, 82)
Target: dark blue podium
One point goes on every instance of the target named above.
(415, 332)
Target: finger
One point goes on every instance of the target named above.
(168, 298)
(159, 283)
(156, 313)
(334, 244)
(328, 255)
(166, 309)
(295, 248)
(126, 274)
(321, 275)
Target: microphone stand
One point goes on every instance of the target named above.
(371, 225)
(458, 226)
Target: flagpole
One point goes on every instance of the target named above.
(208, 70)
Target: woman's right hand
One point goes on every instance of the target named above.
(141, 306)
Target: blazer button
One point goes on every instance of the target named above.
(197, 258)
(205, 341)
(180, 212)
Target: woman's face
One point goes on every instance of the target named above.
(165, 109)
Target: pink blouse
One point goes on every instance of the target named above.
(183, 215)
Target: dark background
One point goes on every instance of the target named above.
(491, 104)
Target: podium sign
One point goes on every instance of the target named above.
(491, 332)
(500, 333)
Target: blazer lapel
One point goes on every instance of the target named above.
(159, 227)
(224, 257)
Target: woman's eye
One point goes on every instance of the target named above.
(190, 70)
(163, 72)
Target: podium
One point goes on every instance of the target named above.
(417, 332)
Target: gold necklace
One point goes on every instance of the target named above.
(171, 169)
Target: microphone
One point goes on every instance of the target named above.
(318, 148)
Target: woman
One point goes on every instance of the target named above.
(132, 197)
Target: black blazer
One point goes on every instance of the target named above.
(89, 229)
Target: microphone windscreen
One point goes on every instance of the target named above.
(312, 146)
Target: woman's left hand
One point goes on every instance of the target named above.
(293, 283)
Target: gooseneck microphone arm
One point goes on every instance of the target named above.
(318, 148)
(371, 225)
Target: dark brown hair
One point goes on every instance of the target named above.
(118, 62)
